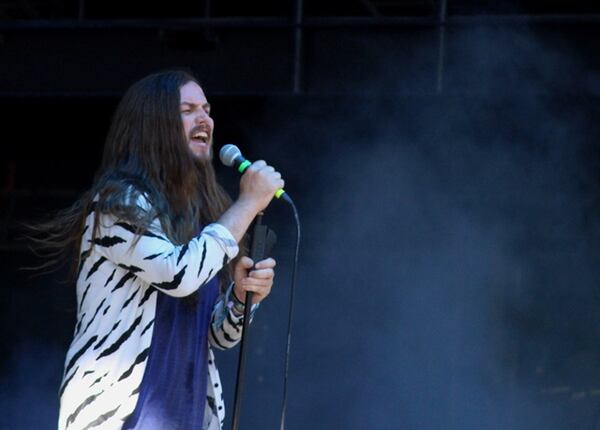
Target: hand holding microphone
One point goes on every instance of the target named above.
(257, 187)
(260, 182)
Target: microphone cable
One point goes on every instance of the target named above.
(291, 311)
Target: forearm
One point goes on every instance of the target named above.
(238, 217)
(177, 270)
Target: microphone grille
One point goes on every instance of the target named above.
(228, 154)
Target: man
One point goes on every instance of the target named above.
(150, 237)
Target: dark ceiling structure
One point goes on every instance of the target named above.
(48, 47)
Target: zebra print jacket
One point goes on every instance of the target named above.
(117, 286)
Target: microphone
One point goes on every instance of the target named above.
(231, 156)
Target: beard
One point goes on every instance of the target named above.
(211, 193)
(200, 151)
(206, 172)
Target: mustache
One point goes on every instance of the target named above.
(202, 127)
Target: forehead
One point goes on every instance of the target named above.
(192, 93)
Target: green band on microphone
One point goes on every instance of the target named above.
(243, 166)
(279, 193)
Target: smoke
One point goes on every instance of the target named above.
(447, 276)
(38, 321)
(29, 393)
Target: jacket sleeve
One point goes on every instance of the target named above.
(226, 326)
(177, 270)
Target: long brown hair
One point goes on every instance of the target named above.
(145, 152)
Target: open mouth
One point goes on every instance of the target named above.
(200, 136)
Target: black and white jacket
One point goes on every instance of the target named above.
(117, 287)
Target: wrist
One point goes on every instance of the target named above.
(237, 306)
(236, 298)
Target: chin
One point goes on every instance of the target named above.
(203, 155)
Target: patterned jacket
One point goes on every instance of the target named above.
(117, 286)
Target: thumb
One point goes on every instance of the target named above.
(246, 262)
(242, 267)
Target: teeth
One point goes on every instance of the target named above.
(200, 135)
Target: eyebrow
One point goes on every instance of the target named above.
(194, 105)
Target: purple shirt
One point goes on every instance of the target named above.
(174, 387)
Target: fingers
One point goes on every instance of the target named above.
(261, 274)
(267, 263)
(258, 281)
(264, 269)
(262, 287)
(257, 165)
(246, 262)
(258, 185)
(242, 267)
(262, 167)
(245, 267)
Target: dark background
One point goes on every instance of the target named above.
(444, 157)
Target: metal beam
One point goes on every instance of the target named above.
(312, 22)
(297, 59)
(442, 44)
(81, 10)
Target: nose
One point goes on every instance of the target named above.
(202, 117)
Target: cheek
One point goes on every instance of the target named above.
(187, 125)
